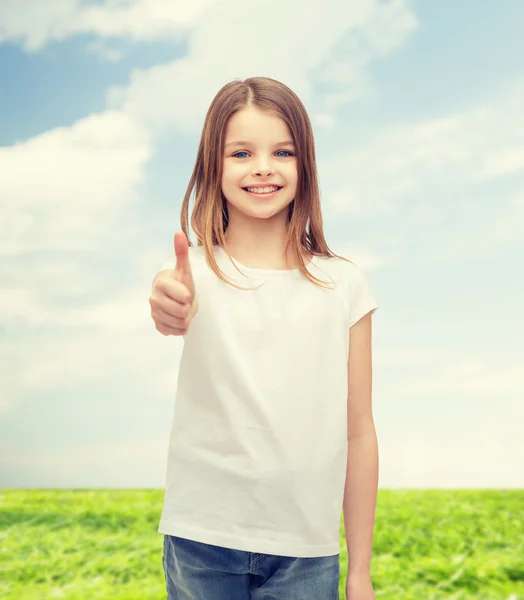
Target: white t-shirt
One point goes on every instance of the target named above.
(258, 448)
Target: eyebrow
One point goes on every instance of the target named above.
(284, 143)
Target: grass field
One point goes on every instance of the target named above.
(103, 544)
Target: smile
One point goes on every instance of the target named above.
(265, 191)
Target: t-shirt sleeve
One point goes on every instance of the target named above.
(361, 299)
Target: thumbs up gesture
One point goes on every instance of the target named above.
(173, 299)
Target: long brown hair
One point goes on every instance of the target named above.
(209, 218)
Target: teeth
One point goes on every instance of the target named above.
(263, 190)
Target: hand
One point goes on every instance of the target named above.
(173, 299)
(359, 587)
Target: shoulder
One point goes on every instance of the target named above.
(349, 276)
(339, 266)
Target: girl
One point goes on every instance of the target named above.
(266, 414)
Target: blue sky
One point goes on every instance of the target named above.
(418, 121)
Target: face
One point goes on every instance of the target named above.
(265, 155)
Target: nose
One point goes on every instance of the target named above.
(263, 172)
(262, 167)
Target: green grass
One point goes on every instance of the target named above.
(103, 544)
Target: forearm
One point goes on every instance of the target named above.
(360, 498)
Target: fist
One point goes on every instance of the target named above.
(173, 298)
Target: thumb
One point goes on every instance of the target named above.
(183, 266)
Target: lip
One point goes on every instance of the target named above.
(262, 196)
(261, 185)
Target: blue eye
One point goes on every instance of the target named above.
(242, 152)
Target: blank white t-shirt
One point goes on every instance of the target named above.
(258, 447)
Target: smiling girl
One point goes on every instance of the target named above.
(273, 433)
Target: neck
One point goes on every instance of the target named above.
(259, 243)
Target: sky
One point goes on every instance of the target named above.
(419, 130)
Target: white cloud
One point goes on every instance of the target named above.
(78, 355)
(65, 194)
(65, 189)
(107, 464)
(100, 48)
(422, 176)
(323, 120)
(227, 42)
(139, 454)
(400, 160)
(38, 24)
(472, 463)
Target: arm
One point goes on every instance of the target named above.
(360, 492)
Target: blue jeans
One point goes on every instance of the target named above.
(197, 571)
